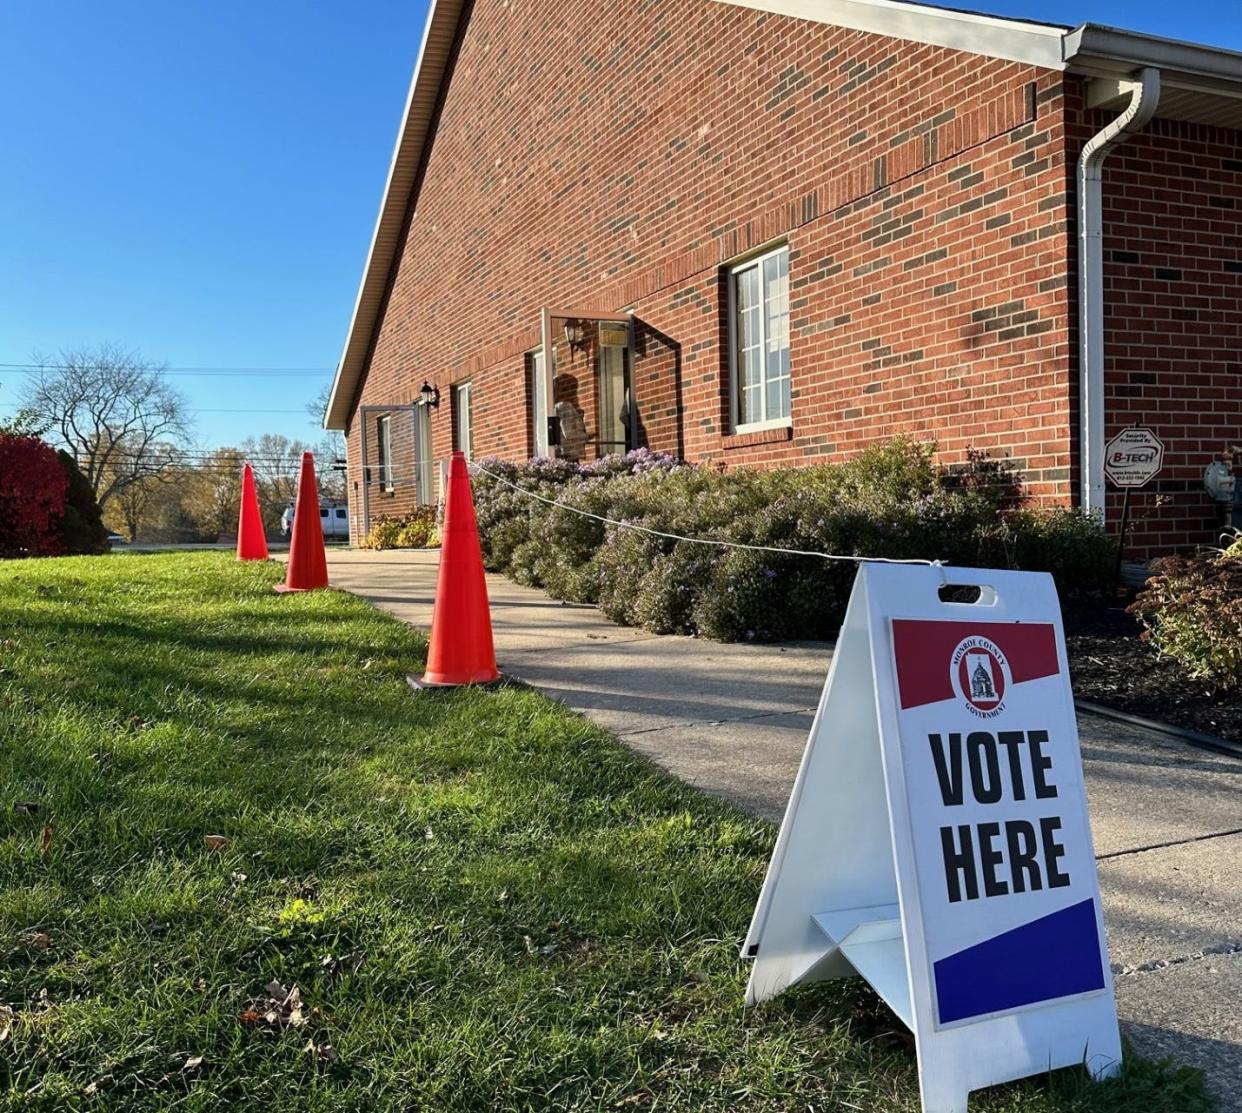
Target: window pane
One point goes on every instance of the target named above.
(776, 321)
(761, 339)
(748, 356)
(385, 453)
(463, 419)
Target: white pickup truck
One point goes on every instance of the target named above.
(333, 517)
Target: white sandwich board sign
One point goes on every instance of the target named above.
(937, 843)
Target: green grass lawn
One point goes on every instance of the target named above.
(485, 902)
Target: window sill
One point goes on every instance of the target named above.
(745, 438)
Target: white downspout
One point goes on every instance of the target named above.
(1144, 97)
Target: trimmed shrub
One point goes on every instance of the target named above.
(1063, 542)
(415, 530)
(1192, 611)
(892, 500)
(81, 525)
(32, 497)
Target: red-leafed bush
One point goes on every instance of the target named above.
(32, 497)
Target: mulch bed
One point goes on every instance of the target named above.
(1111, 665)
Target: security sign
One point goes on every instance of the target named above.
(937, 843)
(1133, 457)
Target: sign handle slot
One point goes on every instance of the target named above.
(968, 595)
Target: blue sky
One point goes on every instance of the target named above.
(199, 180)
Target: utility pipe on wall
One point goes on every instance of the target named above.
(1144, 97)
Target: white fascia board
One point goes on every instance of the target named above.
(1092, 48)
(1036, 44)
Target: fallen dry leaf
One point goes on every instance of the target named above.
(325, 1052)
(216, 842)
(281, 1008)
(93, 1088)
(7, 1019)
(336, 964)
(46, 840)
(39, 939)
(193, 1063)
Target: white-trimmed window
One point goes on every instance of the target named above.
(384, 447)
(759, 341)
(463, 420)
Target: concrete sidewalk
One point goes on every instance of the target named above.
(733, 720)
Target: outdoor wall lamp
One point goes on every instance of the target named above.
(429, 395)
(575, 335)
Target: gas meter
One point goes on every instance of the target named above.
(1219, 482)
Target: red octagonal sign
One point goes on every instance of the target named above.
(1133, 456)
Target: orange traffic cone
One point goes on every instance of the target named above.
(308, 564)
(251, 540)
(461, 650)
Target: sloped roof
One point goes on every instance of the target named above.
(1201, 83)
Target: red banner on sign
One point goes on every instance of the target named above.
(1029, 648)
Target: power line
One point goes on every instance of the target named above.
(17, 406)
(209, 371)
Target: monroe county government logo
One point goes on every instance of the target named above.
(980, 676)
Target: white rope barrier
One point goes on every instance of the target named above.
(479, 469)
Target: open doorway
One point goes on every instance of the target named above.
(581, 389)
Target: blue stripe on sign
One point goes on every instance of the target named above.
(1054, 956)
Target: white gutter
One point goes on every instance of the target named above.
(1144, 97)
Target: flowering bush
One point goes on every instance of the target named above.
(32, 497)
(892, 500)
(415, 530)
(1192, 610)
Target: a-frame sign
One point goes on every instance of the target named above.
(937, 841)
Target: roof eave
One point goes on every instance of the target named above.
(1013, 40)
(434, 56)
(1098, 51)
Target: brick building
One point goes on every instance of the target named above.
(758, 232)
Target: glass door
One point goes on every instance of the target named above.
(614, 409)
(426, 488)
(539, 404)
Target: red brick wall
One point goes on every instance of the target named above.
(613, 156)
(1173, 313)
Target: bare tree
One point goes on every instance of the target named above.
(133, 504)
(329, 450)
(277, 462)
(218, 494)
(114, 412)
